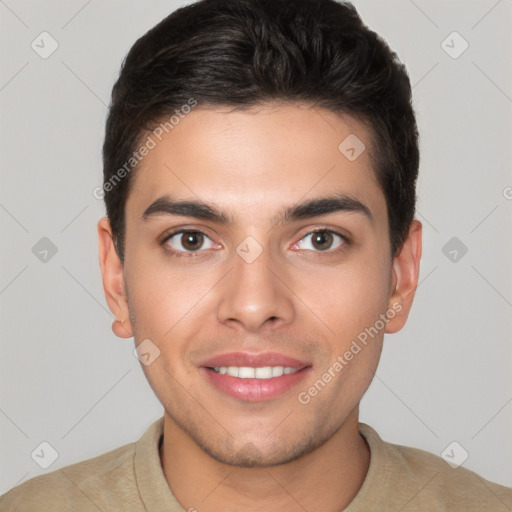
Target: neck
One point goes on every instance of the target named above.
(327, 479)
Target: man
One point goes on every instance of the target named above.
(260, 162)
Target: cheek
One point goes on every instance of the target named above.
(164, 295)
(348, 297)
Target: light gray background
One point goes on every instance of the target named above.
(66, 379)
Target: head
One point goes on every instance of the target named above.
(281, 137)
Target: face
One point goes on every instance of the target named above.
(256, 255)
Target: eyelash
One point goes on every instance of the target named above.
(179, 254)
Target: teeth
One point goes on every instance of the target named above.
(277, 371)
(264, 372)
(243, 372)
(261, 372)
(233, 371)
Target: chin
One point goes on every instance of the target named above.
(274, 454)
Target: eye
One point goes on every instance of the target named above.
(321, 240)
(188, 241)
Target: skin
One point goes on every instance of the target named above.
(222, 453)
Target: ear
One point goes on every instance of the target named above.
(405, 274)
(112, 275)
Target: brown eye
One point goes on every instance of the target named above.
(321, 240)
(188, 241)
(192, 240)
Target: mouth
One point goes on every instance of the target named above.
(254, 377)
(260, 372)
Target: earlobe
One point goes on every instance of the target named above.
(119, 329)
(112, 274)
(406, 268)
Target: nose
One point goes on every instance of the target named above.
(255, 295)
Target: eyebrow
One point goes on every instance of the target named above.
(340, 202)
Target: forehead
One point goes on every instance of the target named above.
(256, 160)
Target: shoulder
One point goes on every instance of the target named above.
(82, 484)
(454, 486)
(427, 482)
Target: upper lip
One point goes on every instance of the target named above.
(253, 360)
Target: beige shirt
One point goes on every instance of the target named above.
(131, 479)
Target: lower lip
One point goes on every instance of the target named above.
(254, 390)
